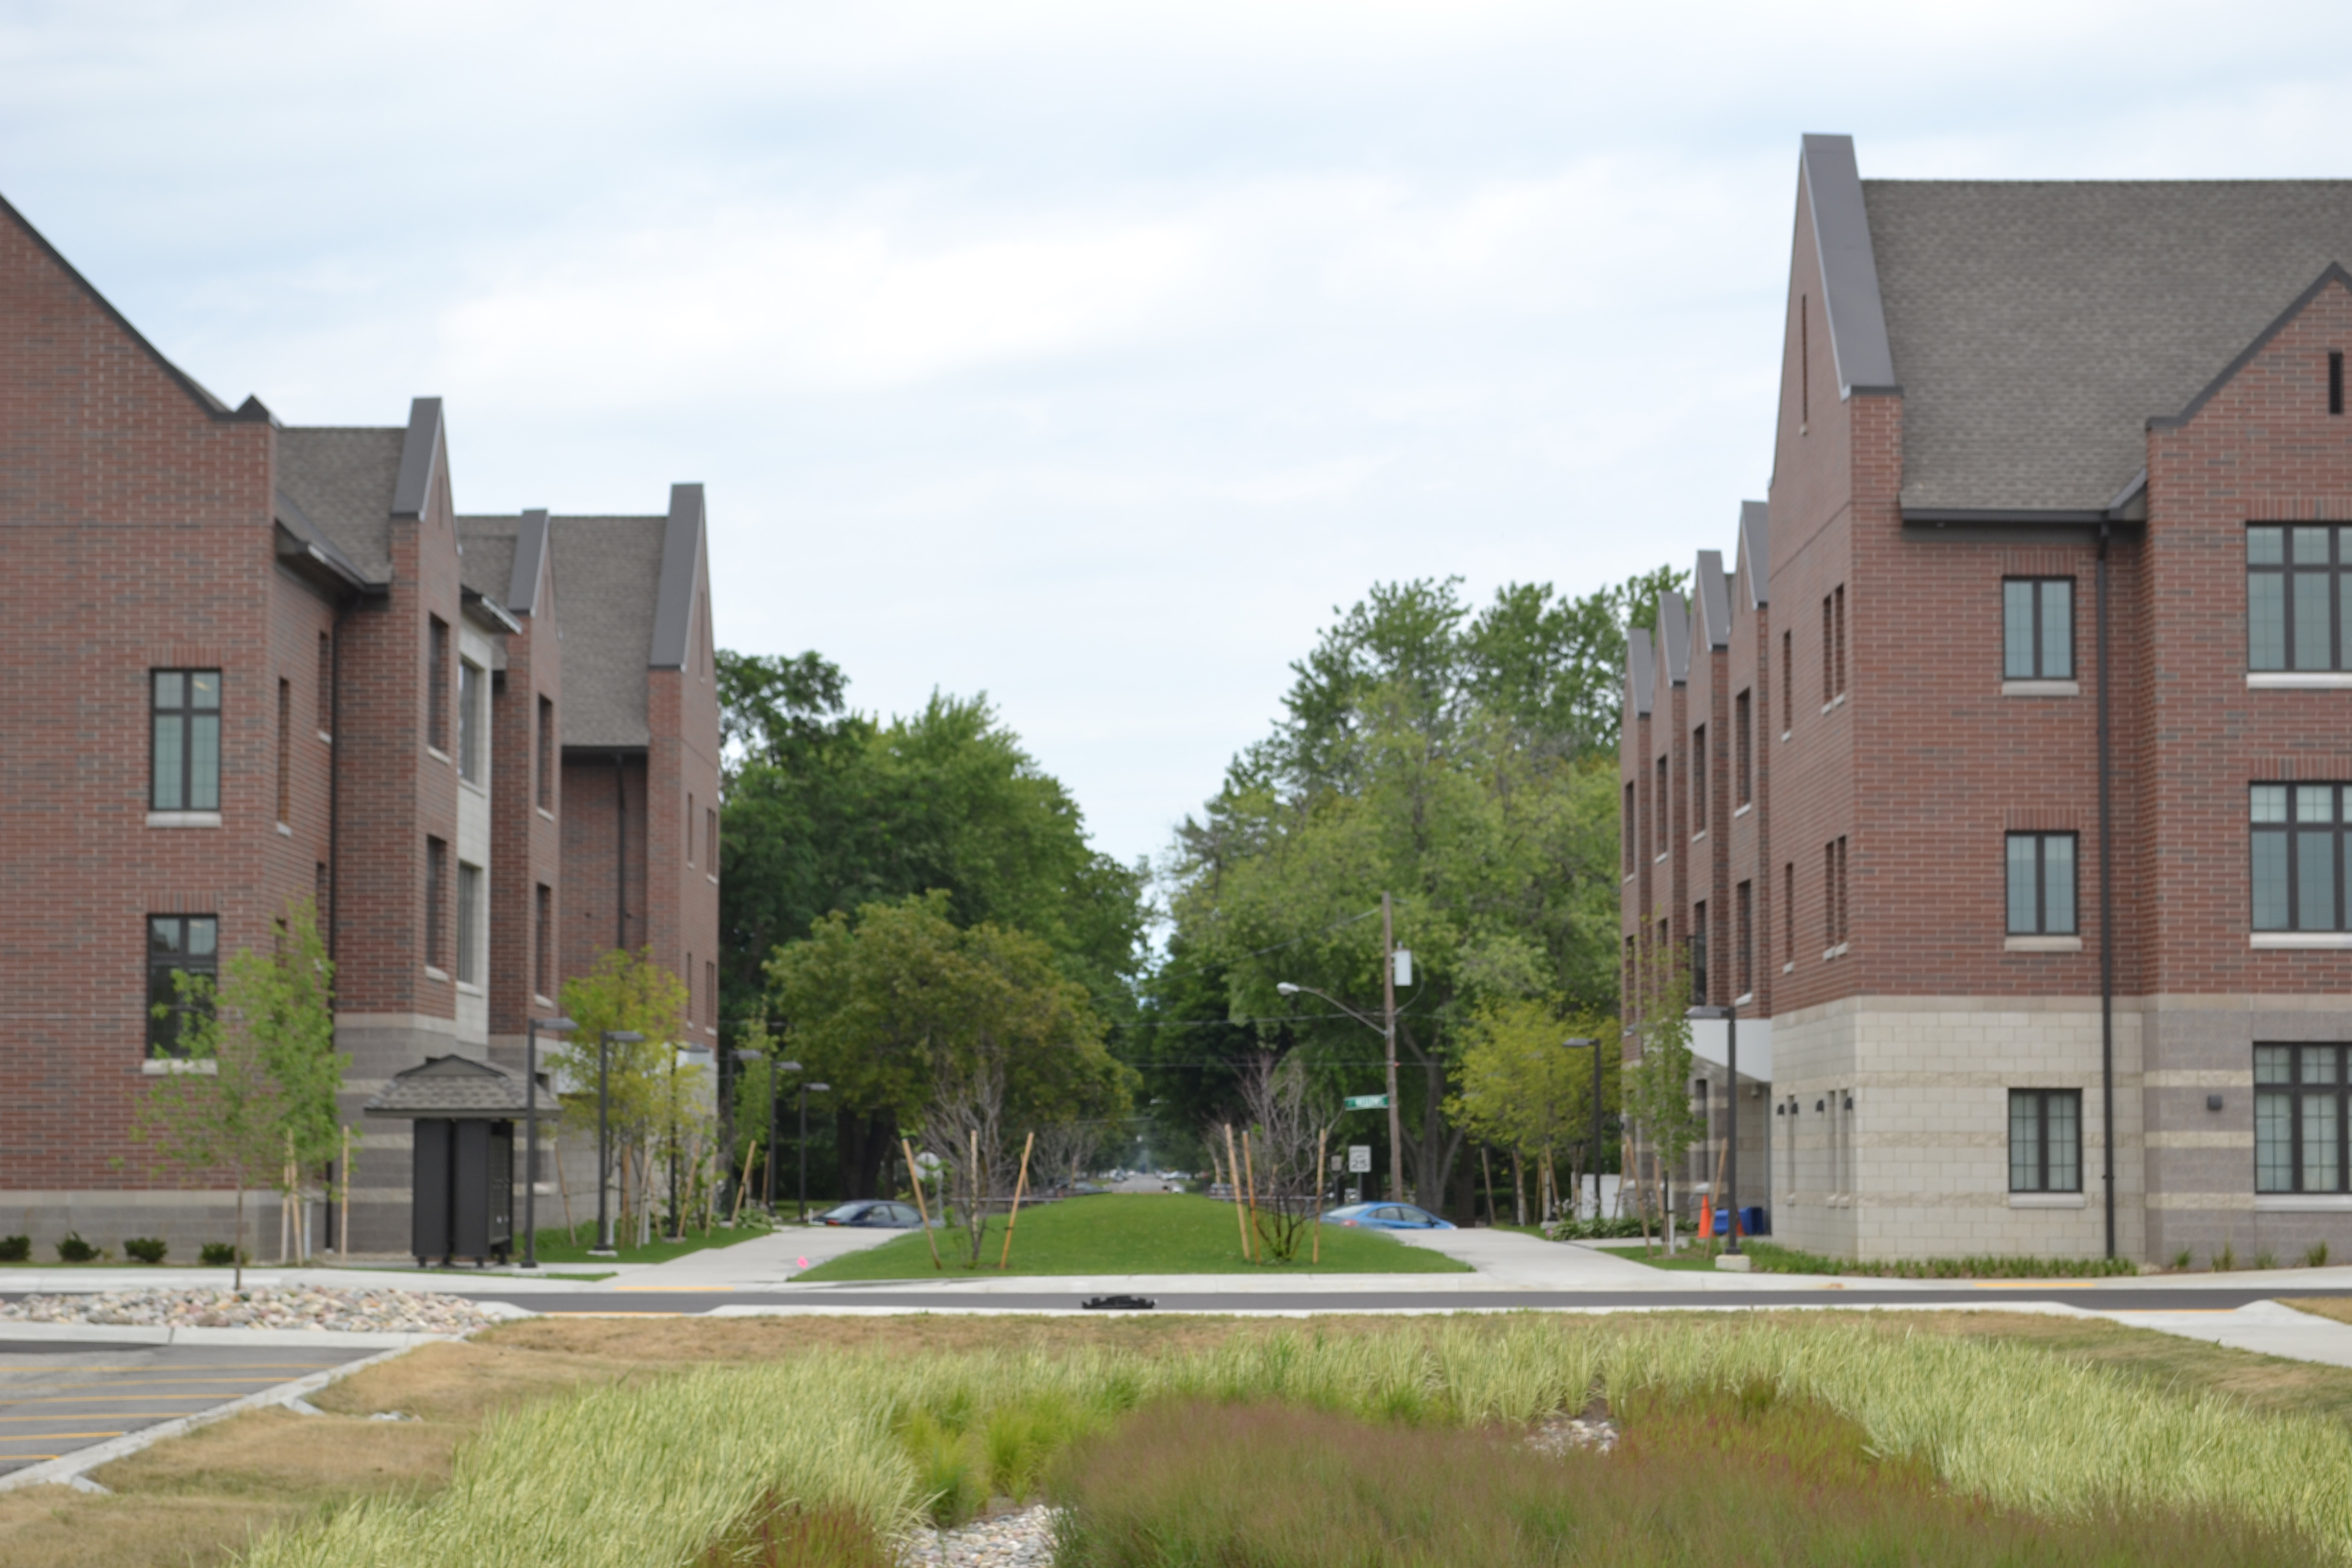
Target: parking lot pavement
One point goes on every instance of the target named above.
(58, 1396)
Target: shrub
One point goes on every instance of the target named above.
(2316, 1258)
(2226, 1259)
(16, 1249)
(2265, 1259)
(1593, 1229)
(146, 1248)
(2181, 1259)
(74, 1249)
(1768, 1257)
(216, 1254)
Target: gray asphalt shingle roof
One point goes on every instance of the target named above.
(456, 1086)
(608, 571)
(343, 480)
(487, 565)
(2037, 326)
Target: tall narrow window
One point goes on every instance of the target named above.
(1702, 780)
(1829, 651)
(1743, 750)
(710, 994)
(470, 721)
(285, 751)
(2299, 1116)
(436, 895)
(2294, 598)
(1662, 807)
(326, 703)
(690, 826)
(2335, 381)
(1789, 912)
(2045, 1140)
(1844, 902)
(318, 900)
(1626, 829)
(1788, 683)
(2297, 853)
(178, 945)
(185, 765)
(1804, 363)
(546, 782)
(1828, 894)
(1699, 993)
(2037, 628)
(1745, 912)
(436, 685)
(710, 840)
(470, 923)
(2042, 884)
(1837, 598)
(542, 934)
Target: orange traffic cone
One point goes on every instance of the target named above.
(1707, 1218)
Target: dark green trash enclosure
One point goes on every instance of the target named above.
(464, 1113)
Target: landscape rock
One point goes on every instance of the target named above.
(322, 1308)
(1007, 1541)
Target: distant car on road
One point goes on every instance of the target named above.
(879, 1212)
(1386, 1216)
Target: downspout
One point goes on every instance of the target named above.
(333, 911)
(2106, 907)
(621, 854)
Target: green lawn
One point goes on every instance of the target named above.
(1173, 1232)
(557, 1245)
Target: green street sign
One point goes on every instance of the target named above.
(1367, 1103)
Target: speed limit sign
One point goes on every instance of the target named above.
(1359, 1159)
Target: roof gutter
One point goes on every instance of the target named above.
(2130, 505)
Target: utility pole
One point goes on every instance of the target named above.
(1388, 994)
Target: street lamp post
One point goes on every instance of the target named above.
(531, 1131)
(604, 1247)
(806, 1089)
(1387, 1031)
(1575, 1045)
(1730, 1016)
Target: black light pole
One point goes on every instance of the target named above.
(1730, 1016)
(604, 1247)
(806, 1087)
(531, 1131)
(1595, 1044)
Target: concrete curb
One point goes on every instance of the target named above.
(169, 1334)
(73, 1470)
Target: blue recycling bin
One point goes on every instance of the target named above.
(1755, 1220)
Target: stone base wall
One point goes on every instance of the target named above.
(1899, 1145)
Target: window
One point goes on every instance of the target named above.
(1659, 804)
(319, 902)
(436, 886)
(2042, 884)
(1743, 750)
(1833, 923)
(186, 762)
(711, 994)
(285, 751)
(2335, 381)
(2045, 1140)
(690, 826)
(710, 840)
(1702, 780)
(541, 939)
(546, 758)
(2294, 598)
(437, 686)
(2298, 857)
(469, 721)
(176, 945)
(326, 701)
(1833, 645)
(1745, 910)
(1789, 912)
(1788, 682)
(1627, 825)
(1804, 363)
(2299, 1093)
(470, 923)
(2037, 628)
(1698, 954)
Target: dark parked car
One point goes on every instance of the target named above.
(1386, 1216)
(881, 1213)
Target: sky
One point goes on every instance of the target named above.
(1086, 355)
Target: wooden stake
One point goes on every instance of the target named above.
(974, 1219)
(742, 1184)
(1487, 1165)
(1249, 1170)
(1018, 1189)
(1321, 1138)
(1234, 1165)
(921, 1207)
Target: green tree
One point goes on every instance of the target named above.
(252, 1096)
(651, 1098)
(1462, 761)
(827, 810)
(888, 1005)
(1522, 1089)
(1658, 1082)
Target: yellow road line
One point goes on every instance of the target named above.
(683, 1289)
(155, 1382)
(104, 1398)
(52, 1437)
(118, 1415)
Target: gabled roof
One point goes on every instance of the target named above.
(250, 409)
(682, 544)
(1713, 596)
(1755, 551)
(458, 1088)
(341, 480)
(612, 571)
(1673, 636)
(1640, 670)
(423, 452)
(2039, 325)
(1850, 273)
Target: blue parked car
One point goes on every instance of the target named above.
(1386, 1216)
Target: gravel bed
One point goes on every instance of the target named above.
(1024, 1538)
(362, 1310)
(1564, 1434)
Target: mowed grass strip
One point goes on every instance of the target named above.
(1163, 1232)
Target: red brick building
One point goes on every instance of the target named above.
(257, 664)
(2001, 776)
